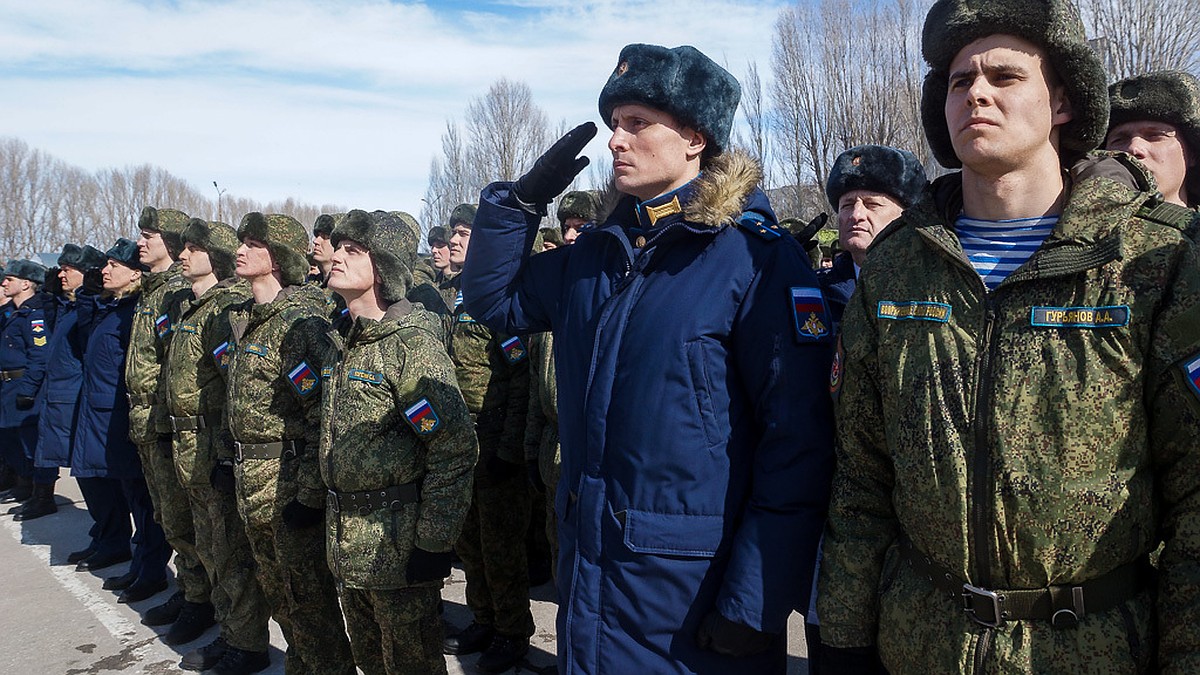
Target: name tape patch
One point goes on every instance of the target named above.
(365, 376)
(1113, 316)
(256, 349)
(914, 311)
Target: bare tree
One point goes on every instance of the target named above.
(1135, 37)
(754, 136)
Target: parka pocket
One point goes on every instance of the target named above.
(680, 534)
(702, 391)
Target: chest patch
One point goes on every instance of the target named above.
(162, 325)
(808, 311)
(938, 312)
(326, 372)
(37, 325)
(1080, 317)
(514, 349)
(422, 417)
(303, 380)
(187, 328)
(365, 376)
(256, 349)
(221, 355)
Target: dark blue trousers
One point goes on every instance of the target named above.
(150, 549)
(105, 500)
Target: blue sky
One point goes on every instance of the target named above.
(339, 102)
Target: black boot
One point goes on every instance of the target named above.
(502, 654)
(205, 657)
(40, 504)
(76, 557)
(240, 662)
(8, 478)
(166, 613)
(473, 638)
(20, 492)
(194, 619)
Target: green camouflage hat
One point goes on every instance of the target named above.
(391, 239)
(577, 204)
(1053, 25)
(463, 214)
(167, 222)
(1170, 96)
(218, 239)
(437, 233)
(285, 238)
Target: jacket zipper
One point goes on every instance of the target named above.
(981, 474)
(983, 645)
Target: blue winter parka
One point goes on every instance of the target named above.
(58, 395)
(692, 355)
(23, 341)
(102, 445)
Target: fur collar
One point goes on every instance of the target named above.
(721, 191)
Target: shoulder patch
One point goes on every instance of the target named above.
(422, 417)
(917, 310)
(1191, 368)
(809, 312)
(758, 224)
(304, 381)
(365, 376)
(162, 325)
(835, 370)
(37, 325)
(39, 341)
(1114, 316)
(514, 349)
(221, 355)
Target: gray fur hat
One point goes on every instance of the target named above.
(877, 168)
(391, 239)
(285, 238)
(1053, 25)
(83, 258)
(681, 81)
(167, 222)
(1170, 96)
(462, 214)
(125, 251)
(323, 227)
(437, 233)
(219, 240)
(27, 270)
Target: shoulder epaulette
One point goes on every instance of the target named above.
(756, 223)
(1172, 215)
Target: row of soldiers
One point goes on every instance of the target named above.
(297, 437)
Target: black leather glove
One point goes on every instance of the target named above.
(534, 472)
(93, 282)
(53, 285)
(731, 638)
(841, 660)
(164, 442)
(426, 566)
(221, 479)
(24, 402)
(556, 168)
(297, 516)
(808, 236)
(500, 469)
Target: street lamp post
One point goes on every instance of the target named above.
(220, 192)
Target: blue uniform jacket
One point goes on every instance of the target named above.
(837, 282)
(695, 418)
(102, 445)
(23, 342)
(58, 396)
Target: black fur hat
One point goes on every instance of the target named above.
(218, 239)
(1170, 96)
(1053, 25)
(26, 269)
(83, 258)
(125, 251)
(877, 168)
(391, 239)
(681, 81)
(462, 214)
(325, 223)
(169, 223)
(285, 238)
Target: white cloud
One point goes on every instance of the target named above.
(328, 102)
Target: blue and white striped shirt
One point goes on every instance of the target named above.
(998, 247)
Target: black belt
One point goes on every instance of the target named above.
(1063, 606)
(195, 423)
(140, 399)
(276, 450)
(365, 502)
(10, 375)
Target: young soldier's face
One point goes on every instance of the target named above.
(152, 250)
(460, 241)
(652, 152)
(861, 215)
(439, 252)
(70, 277)
(1004, 107)
(571, 228)
(322, 248)
(253, 259)
(194, 262)
(1159, 146)
(352, 271)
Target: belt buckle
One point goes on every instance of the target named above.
(1069, 617)
(237, 450)
(289, 450)
(174, 425)
(333, 499)
(970, 592)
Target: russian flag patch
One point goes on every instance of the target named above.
(303, 379)
(808, 310)
(221, 355)
(514, 349)
(37, 325)
(1191, 368)
(162, 325)
(422, 417)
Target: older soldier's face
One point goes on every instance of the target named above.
(460, 241)
(253, 259)
(118, 277)
(352, 271)
(439, 253)
(652, 152)
(1159, 146)
(152, 250)
(194, 262)
(1004, 107)
(70, 277)
(861, 215)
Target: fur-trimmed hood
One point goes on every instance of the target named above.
(718, 195)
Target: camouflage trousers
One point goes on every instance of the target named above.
(292, 571)
(492, 549)
(173, 512)
(224, 549)
(395, 632)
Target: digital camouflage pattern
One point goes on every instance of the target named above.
(153, 327)
(265, 405)
(397, 632)
(1019, 455)
(541, 431)
(377, 371)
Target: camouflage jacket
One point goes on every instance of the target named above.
(493, 373)
(541, 429)
(162, 293)
(1045, 433)
(392, 415)
(195, 377)
(274, 380)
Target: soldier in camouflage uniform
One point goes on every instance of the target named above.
(397, 451)
(196, 360)
(493, 372)
(159, 245)
(1014, 442)
(1156, 118)
(321, 250)
(273, 415)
